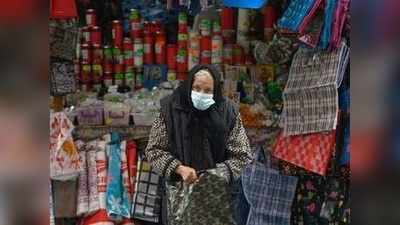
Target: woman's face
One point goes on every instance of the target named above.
(203, 82)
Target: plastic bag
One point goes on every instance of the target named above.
(207, 201)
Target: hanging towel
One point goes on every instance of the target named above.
(116, 204)
(127, 197)
(94, 203)
(101, 165)
(83, 190)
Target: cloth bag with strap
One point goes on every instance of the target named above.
(269, 193)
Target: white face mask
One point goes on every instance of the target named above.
(202, 101)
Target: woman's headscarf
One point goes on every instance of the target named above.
(207, 128)
(185, 89)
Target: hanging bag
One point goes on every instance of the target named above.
(310, 97)
(311, 152)
(269, 193)
(62, 77)
(63, 38)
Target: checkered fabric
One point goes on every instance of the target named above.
(147, 196)
(311, 152)
(309, 111)
(312, 69)
(310, 97)
(269, 194)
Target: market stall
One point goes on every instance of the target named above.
(285, 66)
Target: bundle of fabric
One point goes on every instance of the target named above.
(310, 97)
(105, 187)
(146, 204)
(317, 23)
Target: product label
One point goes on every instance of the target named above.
(138, 52)
(182, 37)
(147, 48)
(86, 68)
(158, 48)
(206, 54)
(97, 69)
(171, 76)
(128, 54)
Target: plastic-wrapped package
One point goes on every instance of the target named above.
(90, 113)
(116, 113)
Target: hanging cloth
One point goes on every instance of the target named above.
(101, 165)
(117, 204)
(94, 203)
(328, 23)
(131, 154)
(83, 191)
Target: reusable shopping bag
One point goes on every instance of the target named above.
(311, 151)
(310, 98)
(269, 193)
(207, 201)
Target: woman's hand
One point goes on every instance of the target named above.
(188, 174)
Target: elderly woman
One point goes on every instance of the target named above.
(198, 129)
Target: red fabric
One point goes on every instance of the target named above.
(131, 152)
(99, 218)
(310, 151)
(63, 9)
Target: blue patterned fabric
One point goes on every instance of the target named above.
(117, 204)
(269, 194)
(294, 14)
(330, 6)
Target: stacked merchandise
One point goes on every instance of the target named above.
(285, 66)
